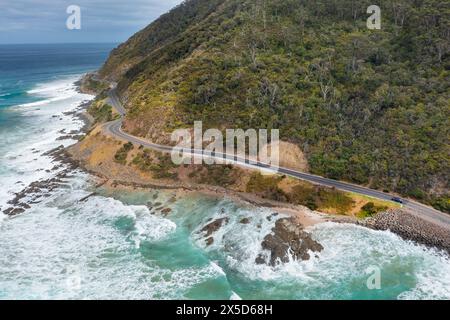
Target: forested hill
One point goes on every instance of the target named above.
(368, 106)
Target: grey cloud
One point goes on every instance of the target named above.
(24, 21)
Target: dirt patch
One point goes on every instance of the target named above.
(291, 156)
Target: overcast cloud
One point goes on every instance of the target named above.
(44, 21)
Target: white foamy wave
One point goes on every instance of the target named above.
(409, 271)
(53, 87)
(349, 251)
(147, 227)
(44, 102)
(235, 297)
(217, 268)
(240, 242)
(54, 91)
(82, 253)
(433, 279)
(23, 161)
(152, 228)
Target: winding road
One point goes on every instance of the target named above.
(114, 128)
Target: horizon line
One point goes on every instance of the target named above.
(52, 43)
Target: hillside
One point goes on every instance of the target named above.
(371, 107)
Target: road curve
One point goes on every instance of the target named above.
(115, 129)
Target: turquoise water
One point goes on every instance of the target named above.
(112, 247)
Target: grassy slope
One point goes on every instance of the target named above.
(370, 107)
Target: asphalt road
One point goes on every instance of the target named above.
(114, 101)
(426, 212)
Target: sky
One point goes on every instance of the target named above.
(44, 21)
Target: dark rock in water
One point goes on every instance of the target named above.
(209, 241)
(24, 205)
(273, 215)
(260, 260)
(245, 221)
(166, 211)
(288, 238)
(87, 197)
(214, 226)
(65, 137)
(42, 188)
(158, 204)
(13, 211)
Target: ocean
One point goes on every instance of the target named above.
(110, 246)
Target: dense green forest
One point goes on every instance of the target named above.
(367, 106)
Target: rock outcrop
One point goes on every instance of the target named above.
(212, 227)
(288, 239)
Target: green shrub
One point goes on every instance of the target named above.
(122, 154)
(217, 175)
(442, 203)
(101, 112)
(370, 210)
(266, 186)
(159, 164)
(315, 197)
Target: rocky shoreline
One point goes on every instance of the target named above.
(63, 163)
(287, 240)
(287, 235)
(37, 191)
(411, 227)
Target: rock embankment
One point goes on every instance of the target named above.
(411, 227)
(288, 239)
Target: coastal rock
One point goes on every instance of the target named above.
(245, 221)
(288, 239)
(212, 227)
(13, 211)
(166, 211)
(209, 241)
(37, 190)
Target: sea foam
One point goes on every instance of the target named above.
(22, 158)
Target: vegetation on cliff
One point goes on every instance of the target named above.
(367, 106)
